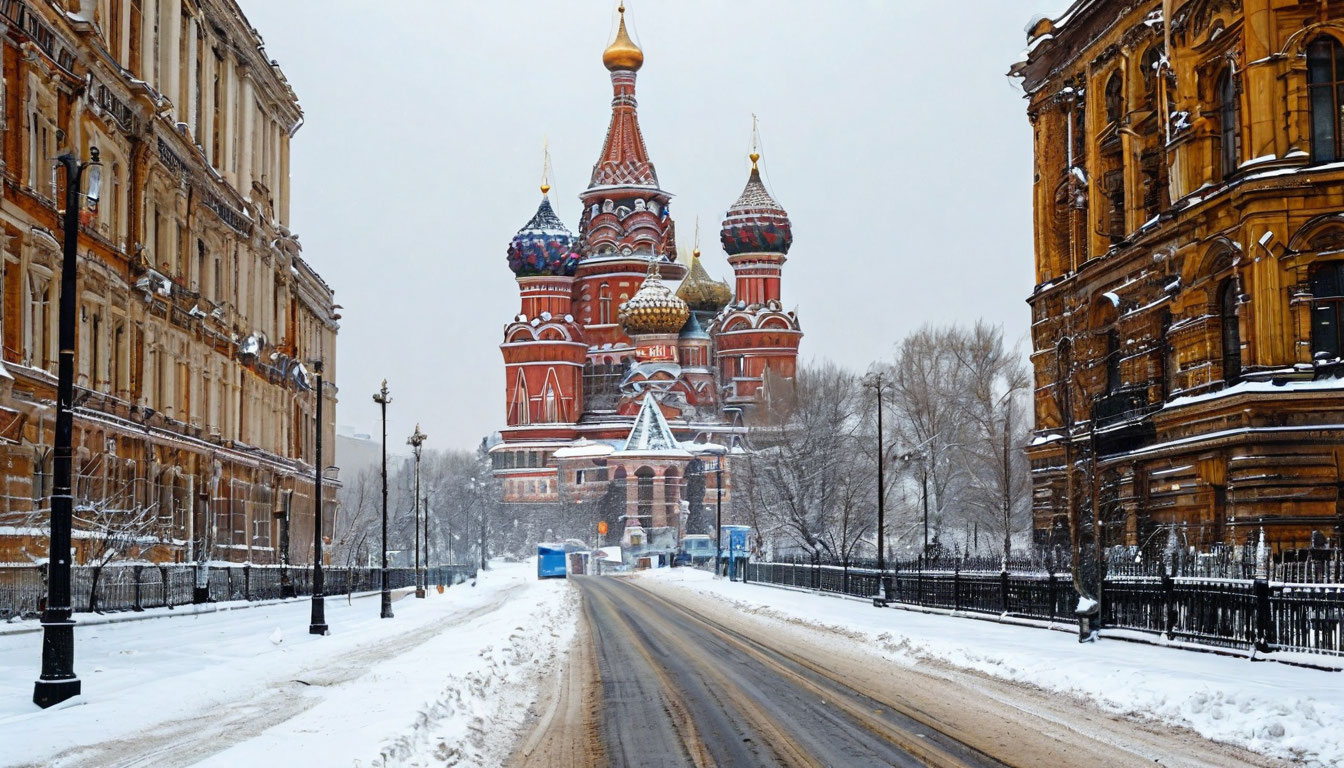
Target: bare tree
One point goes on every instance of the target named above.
(803, 473)
(926, 384)
(992, 406)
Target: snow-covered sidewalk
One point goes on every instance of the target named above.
(1278, 710)
(447, 680)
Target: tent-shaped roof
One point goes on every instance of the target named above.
(651, 434)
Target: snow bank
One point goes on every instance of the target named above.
(447, 680)
(1285, 712)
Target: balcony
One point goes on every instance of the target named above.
(1121, 420)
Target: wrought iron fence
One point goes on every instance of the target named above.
(127, 587)
(1201, 600)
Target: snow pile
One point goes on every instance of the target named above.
(1282, 711)
(449, 679)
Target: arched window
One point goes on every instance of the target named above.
(1149, 63)
(521, 402)
(1115, 98)
(1112, 362)
(1327, 310)
(551, 405)
(1229, 124)
(1228, 301)
(604, 304)
(1325, 82)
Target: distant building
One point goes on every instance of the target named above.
(616, 385)
(198, 320)
(357, 451)
(1188, 319)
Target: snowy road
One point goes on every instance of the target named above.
(449, 679)
(687, 679)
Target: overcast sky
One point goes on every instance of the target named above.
(889, 132)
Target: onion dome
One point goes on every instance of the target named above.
(756, 223)
(701, 291)
(622, 53)
(653, 308)
(544, 246)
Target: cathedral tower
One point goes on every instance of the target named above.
(754, 336)
(543, 348)
(625, 220)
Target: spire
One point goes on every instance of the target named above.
(624, 160)
(545, 166)
(651, 432)
(622, 53)
(755, 143)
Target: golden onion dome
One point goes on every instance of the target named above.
(653, 308)
(701, 291)
(622, 53)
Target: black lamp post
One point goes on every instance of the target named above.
(884, 588)
(58, 681)
(416, 441)
(718, 507)
(380, 397)
(318, 623)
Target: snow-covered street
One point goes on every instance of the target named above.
(449, 679)
(1280, 711)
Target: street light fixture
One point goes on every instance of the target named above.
(318, 624)
(416, 441)
(58, 680)
(380, 397)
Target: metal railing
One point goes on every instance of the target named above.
(126, 587)
(1230, 611)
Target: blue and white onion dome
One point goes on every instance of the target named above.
(544, 246)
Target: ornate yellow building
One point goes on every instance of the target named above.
(198, 318)
(1188, 322)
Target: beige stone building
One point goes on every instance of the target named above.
(1188, 319)
(199, 319)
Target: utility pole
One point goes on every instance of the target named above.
(380, 397)
(318, 624)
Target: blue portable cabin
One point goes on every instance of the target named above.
(551, 561)
(735, 546)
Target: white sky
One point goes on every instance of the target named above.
(889, 132)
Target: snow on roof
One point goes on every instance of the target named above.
(1260, 386)
(651, 434)
(584, 448)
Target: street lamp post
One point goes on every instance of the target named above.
(883, 587)
(380, 397)
(58, 680)
(318, 623)
(416, 441)
(424, 501)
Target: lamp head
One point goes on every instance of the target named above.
(95, 169)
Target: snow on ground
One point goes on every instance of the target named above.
(1278, 710)
(449, 679)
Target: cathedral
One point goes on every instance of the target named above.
(631, 377)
